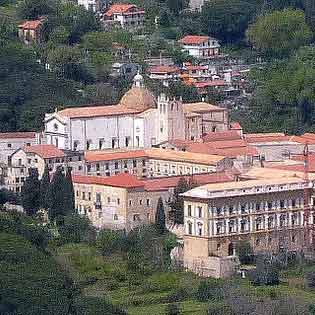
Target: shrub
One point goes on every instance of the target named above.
(310, 280)
(266, 272)
(109, 241)
(172, 309)
(244, 252)
(219, 309)
(179, 295)
(209, 291)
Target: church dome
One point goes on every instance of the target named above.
(139, 99)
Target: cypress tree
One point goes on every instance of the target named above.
(160, 216)
(177, 204)
(31, 192)
(44, 189)
(69, 203)
(57, 195)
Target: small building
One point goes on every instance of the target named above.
(12, 141)
(127, 16)
(91, 5)
(165, 74)
(125, 71)
(200, 47)
(38, 156)
(30, 32)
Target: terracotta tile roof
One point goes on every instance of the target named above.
(307, 138)
(96, 111)
(201, 107)
(180, 144)
(263, 135)
(231, 152)
(46, 151)
(119, 8)
(209, 83)
(262, 139)
(166, 183)
(95, 156)
(191, 68)
(235, 125)
(181, 156)
(121, 180)
(193, 39)
(294, 167)
(18, 135)
(221, 135)
(31, 25)
(163, 69)
(309, 135)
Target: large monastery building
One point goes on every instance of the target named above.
(140, 120)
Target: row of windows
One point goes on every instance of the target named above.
(123, 164)
(98, 199)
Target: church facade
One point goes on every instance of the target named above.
(140, 120)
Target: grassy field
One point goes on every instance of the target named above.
(108, 278)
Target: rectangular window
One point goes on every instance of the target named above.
(118, 201)
(199, 212)
(189, 210)
(97, 167)
(116, 165)
(89, 196)
(293, 203)
(106, 166)
(134, 163)
(83, 195)
(9, 145)
(148, 202)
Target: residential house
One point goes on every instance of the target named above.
(31, 32)
(127, 16)
(200, 47)
(38, 156)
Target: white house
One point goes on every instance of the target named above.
(200, 47)
(91, 5)
(128, 16)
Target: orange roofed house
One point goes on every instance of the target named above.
(31, 31)
(124, 202)
(38, 156)
(200, 47)
(128, 16)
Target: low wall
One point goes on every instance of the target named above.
(216, 267)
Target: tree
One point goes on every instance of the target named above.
(309, 6)
(244, 252)
(177, 203)
(266, 272)
(173, 309)
(76, 229)
(175, 6)
(227, 20)
(30, 194)
(57, 195)
(32, 9)
(44, 189)
(280, 32)
(69, 203)
(160, 216)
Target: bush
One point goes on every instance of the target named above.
(178, 296)
(173, 309)
(310, 280)
(209, 291)
(266, 272)
(244, 252)
(109, 241)
(219, 309)
(75, 229)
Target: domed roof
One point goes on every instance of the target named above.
(139, 99)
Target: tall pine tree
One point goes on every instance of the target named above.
(69, 203)
(31, 192)
(160, 217)
(177, 204)
(57, 192)
(44, 189)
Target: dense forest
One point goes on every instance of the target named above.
(80, 56)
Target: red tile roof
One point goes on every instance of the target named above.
(196, 67)
(121, 180)
(96, 111)
(235, 126)
(209, 83)
(18, 135)
(221, 135)
(164, 69)
(31, 25)
(193, 39)
(46, 151)
(267, 138)
(231, 152)
(201, 179)
(95, 156)
(119, 8)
